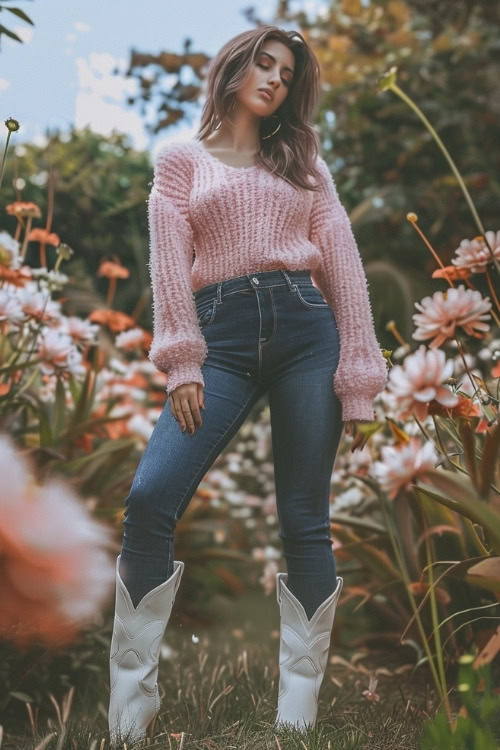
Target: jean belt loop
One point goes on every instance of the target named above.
(291, 286)
(219, 292)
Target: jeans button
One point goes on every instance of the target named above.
(254, 278)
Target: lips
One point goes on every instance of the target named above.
(270, 96)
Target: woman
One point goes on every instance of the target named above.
(255, 204)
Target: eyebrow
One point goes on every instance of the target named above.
(274, 60)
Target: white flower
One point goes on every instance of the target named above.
(9, 250)
(130, 339)
(57, 352)
(474, 254)
(10, 307)
(403, 464)
(82, 332)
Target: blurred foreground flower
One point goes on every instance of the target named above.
(54, 573)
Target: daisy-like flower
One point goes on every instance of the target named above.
(24, 209)
(39, 234)
(57, 352)
(131, 339)
(9, 250)
(403, 464)
(10, 308)
(474, 254)
(442, 313)
(55, 575)
(38, 304)
(82, 332)
(420, 380)
(52, 280)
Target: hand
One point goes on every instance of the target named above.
(351, 428)
(185, 403)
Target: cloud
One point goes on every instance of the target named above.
(81, 26)
(99, 100)
(23, 32)
(4, 84)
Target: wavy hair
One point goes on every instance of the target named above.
(290, 153)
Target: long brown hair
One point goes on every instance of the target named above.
(291, 152)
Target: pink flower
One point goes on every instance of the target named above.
(54, 573)
(440, 314)
(401, 465)
(474, 254)
(419, 380)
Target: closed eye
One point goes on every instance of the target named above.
(266, 67)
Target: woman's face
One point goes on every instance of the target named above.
(273, 69)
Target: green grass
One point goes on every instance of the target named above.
(220, 693)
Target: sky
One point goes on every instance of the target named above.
(61, 75)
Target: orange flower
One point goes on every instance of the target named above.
(15, 276)
(451, 272)
(112, 270)
(42, 235)
(113, 319)
(23, 208)
(464, 408)
(54, 573)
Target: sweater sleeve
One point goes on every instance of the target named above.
(178, 347)
(362, 371)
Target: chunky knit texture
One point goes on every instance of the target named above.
(238, 220)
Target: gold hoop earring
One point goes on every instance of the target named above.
(274, 131)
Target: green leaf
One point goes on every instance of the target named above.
(5, 31)
(46, 438)
(24, 697)
(59, 412)
(21, 14)
(466, 504)
(110, 446)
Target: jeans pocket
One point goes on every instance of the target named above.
(310, 296)
(205, 312)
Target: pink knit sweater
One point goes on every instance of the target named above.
(240, 220)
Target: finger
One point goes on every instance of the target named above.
(195, 409)
(186, 413)
(178, 413)
(172, 408)
(201, 396)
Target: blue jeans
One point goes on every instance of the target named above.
(272, 333)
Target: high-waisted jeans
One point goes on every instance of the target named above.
(270, 332)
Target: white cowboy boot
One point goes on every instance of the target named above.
(303, 655)
(134, 657)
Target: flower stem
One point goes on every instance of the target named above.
(399, 92)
